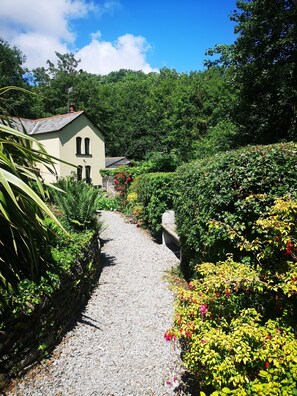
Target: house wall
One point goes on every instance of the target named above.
(62, 144)
(51, 144)
(84, 128)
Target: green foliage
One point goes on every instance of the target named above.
(107, 203)
(164, 112)
(154, 196)
(155, 162)
(232, 190)
(79, 202)
(221, 137)
(227, 344)
(264, 65)
(64, 253)
(23, 235)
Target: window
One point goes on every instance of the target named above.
(78, 145)
(87, 146)
(79, 172)
(88, 174)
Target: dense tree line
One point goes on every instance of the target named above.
(248, 95)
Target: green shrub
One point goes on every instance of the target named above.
(232, 189)
(79, 202)
(107, 203)
(155, 196)
(65, 251)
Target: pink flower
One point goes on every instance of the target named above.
(203, 309)
(203, 341)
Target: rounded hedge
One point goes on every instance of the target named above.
(229, 191)
(155, 195)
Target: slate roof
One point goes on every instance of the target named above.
(45, 125)
(114, 162)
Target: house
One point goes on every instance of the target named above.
(73, 138)
(115, 162)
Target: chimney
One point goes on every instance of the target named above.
(72, 108)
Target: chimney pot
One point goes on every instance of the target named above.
(71, 108)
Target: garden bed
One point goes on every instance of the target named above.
(27, 338)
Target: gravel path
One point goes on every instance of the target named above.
(118, 346)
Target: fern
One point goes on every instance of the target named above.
(79, 202)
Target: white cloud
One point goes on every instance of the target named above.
(39, 28)
(101, 57)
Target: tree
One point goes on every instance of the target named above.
(12, 73)
(264, 62)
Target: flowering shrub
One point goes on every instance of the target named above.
(226, 341)
(122, 181)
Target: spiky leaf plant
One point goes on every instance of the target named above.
(79, 202)
(22, 208)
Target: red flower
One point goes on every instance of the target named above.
(169, 336)
(203, 341)
(294, 279)
(188, 334)
(217, 294)
(289, 247)
(228, 292)
(266, 364)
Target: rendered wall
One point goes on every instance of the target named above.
(62, 145)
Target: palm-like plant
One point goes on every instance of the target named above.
(22, 210)
(79, 202)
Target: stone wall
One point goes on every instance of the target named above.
(27, 339)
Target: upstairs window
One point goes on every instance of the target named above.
(87, 146)
(79, 173)
(88, 174)
(78, 145)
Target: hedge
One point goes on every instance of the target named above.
(155, 195)
(218, 199)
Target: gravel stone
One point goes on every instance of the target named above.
(118, 345)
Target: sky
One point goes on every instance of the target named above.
(108, 35)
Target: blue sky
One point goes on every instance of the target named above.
(111, 34)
